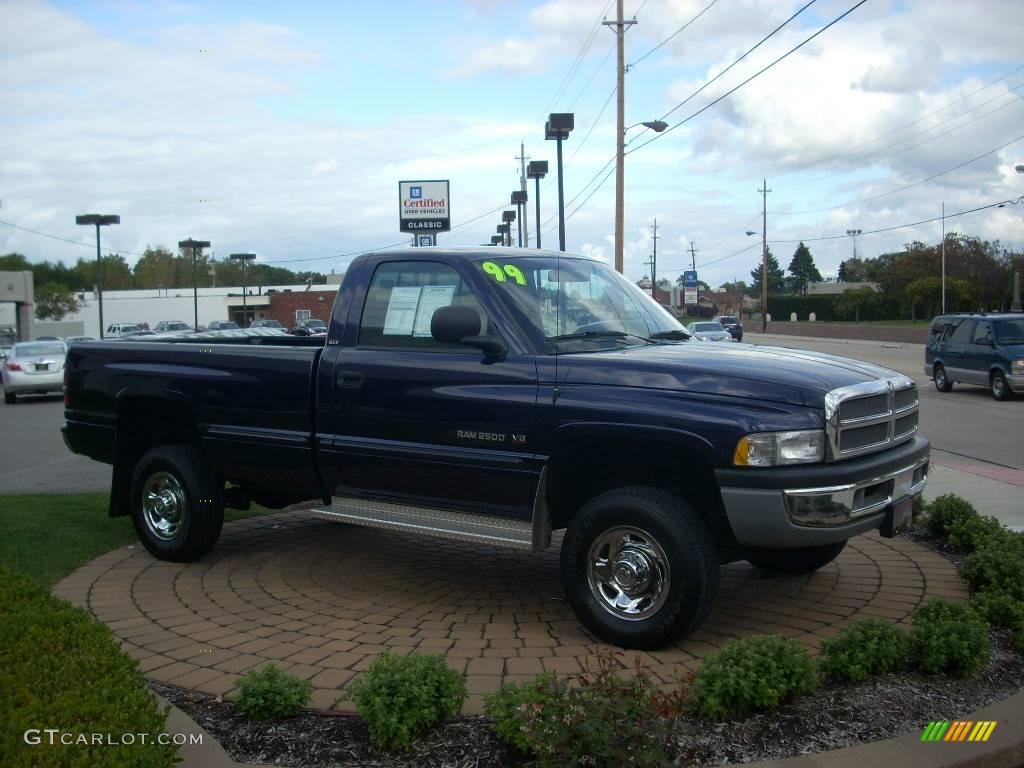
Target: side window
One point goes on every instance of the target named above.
(983, 332)
(963, 332)
(402, 299)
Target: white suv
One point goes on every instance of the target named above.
(120, 329)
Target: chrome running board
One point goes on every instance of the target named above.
(445, 524)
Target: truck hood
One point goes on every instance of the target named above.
(749, 371)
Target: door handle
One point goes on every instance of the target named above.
(350, 379)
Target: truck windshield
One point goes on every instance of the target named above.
(1009, 331)
(575, 305)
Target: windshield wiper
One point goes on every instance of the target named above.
(597, 335)
(677, 335)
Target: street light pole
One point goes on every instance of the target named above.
(99, 220)
(244, 257)
(943, 257)
(194, 245)
(558, 127)
(519, 201)
(537, 170)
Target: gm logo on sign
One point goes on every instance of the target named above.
(959, 730)
(416, 193)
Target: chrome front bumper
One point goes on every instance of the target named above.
(843, 504)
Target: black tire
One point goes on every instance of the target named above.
(942, 382)
(10, 398)
(183, 520)
(999, 386)
(797, 560)
(683, 558)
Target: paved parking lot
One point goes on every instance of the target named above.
(323, 599)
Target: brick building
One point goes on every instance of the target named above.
(288, 307)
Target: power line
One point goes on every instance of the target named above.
(670, 37)
(760, 72)
(593, 125)
(905, 186)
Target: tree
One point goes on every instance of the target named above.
(737, 286)
(117, 275)
(14, 262)
(802, 269)
(776, 277)
(55, 302)
(926, 292)
(664, 284)
(851, 271)
(856, 300)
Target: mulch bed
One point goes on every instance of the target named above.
(835, 716)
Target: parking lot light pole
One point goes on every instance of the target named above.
(537, 170)
(243, 257)
(99, 220)
(519, 200)
(507, 217)
(558, 127)
(195, 245)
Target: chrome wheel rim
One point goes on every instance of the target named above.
(940, 378)
(997, 386)
(628, 573)
(163, 505)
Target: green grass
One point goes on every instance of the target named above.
(47, 536)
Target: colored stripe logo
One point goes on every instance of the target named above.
(958, 730)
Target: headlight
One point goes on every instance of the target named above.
(769, 449)
(1017, 368)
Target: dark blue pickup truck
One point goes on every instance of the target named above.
(495, 395)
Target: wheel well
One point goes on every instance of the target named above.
(584, 468)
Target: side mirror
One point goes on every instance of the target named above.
(461, 325)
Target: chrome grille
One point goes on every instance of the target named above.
(869, 417)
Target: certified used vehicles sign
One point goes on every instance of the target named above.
(424, 206)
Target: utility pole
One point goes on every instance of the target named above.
(943, 257)
(522, 158)
(764, 255)
(693, 266)
(654, 262)
(620, 26)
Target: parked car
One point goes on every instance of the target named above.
(49, 338)
(222, 325)
(71, 339)
(120, 329)
(709, 331)
(311, 326)
(459, 395)
(265, 323)
(986, 350)
(172, 325)
(34, 367)
(5, 350)
(731, 323)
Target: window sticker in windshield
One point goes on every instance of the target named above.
(501, 273)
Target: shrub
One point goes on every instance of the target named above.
(949, 637)
(751, 674)
(972, 532)
(865, 648)
(999, 608)
(271, 693)
(60, 668)
(946, 512)
(1018, 637)
(996, 568)
(604, 719)
(401, 697)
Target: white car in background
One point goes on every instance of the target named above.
(33, 367)
(709, 331)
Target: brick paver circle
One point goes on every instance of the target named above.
(322, 600)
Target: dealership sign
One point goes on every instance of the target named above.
(690, 287)
(424, 206)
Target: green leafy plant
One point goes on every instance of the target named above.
(949, 637)
(947, 512)
(864, 648)
(751, 674)
(271, 693)
(969, 533)
(999, 608)
(60, 668)
(1018, 637)
(599, 717)
(995, 568)
(401, 697)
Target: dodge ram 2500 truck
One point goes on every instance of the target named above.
(495, 395)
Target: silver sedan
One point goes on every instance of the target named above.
(709, 331)
(33, 367)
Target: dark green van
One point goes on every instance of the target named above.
(982, 349)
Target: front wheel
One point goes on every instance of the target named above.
(10, 398)
(796, 560)
(999, 386)
(639, 567)
(942, 382)
(177, 505)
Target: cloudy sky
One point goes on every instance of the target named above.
(283, 128)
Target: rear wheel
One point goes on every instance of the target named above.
(796, 560)
(639, 567)
(177, 505)
(999, 386)
(942, 382)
